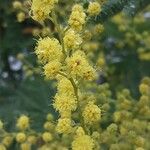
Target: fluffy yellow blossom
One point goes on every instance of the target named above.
(51, 69)
(1, 125)
(64, 125)
(80, 132)
(72, 40)
(40, 10)
(139, 148)
(2, 147)
(77, 18)
(48, 50)
(112, 128)
(79, 66)
(117, 116)
(139, 141)
(48, 125)
(20, 137)
(21, 16)
(47, 137)
(7, 141)
(89, 73)
(25, 146)
(49, 117)
(65, 103)
(144, 88)
(91, 113)
(17, 5)
(23, 122)
(99, 28)
(32, 139)
(94, 8)
(65, 86)
(83, 142)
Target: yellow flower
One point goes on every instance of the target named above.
(72, 40)
(2, 147)
(48, 125)
(144, 88)
(7, 141)
(139, 148)
(64, 125)
(94, 9)
(48, 50)
(17, 5)
(42, 9)
(77, 18)
(83, 142)
(80, 132)
(99, 28)
(79, 66)
(1, 125)
(51, 69)
(65, 103)
(91, 113)
(65, 86)
(89, 73)
(32, 139)
(47, 137)
(20, 137)
(49, 117)
(21, 16)
(25, 146)
(23, 122)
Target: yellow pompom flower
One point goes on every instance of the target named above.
(94, 9)
(80, 132)
(91, 113)
(51, 69)
(20, 137)
(7, 141)
(72, 40)
(23, 122)
(64, 125)
(48, 125)
(79, 66)
(49, 117)
(83, 142)
(139, 148)
(89, 73)
(48, 50)
(32, 139)
(1, 125)
(65, 103)
(25, 146)
(47, 137)
(2, 147)
(17, 5)
(144, 89)
(77, 17)
(65, 86)
(21, 16)
(41, 9)
(99, 28)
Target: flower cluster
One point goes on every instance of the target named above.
(90, 116)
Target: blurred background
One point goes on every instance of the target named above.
(122, 52)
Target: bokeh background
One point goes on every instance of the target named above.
(123, 51)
